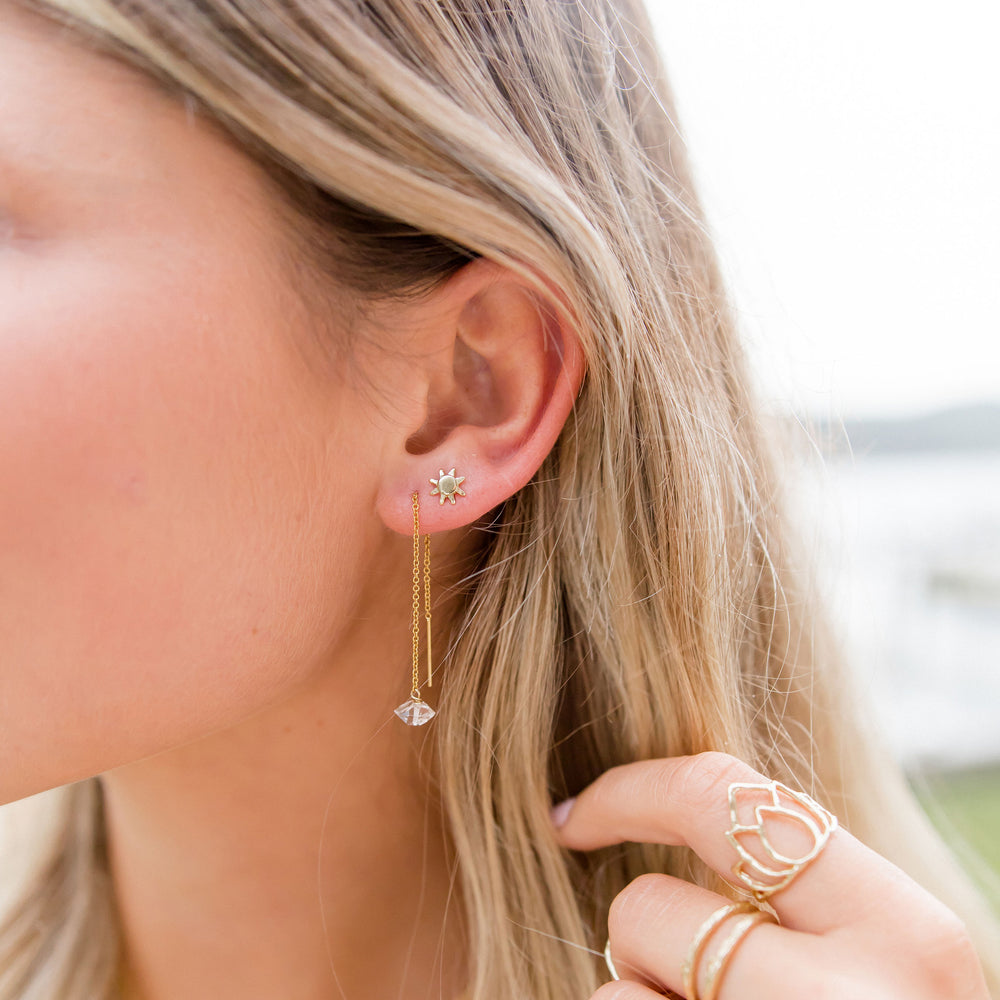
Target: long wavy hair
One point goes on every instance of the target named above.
(644, 595)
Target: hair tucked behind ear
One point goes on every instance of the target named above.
(642, 596)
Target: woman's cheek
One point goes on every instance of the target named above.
(151, 558)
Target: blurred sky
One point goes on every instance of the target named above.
(849, 156)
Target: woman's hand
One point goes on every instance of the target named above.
(852, 925)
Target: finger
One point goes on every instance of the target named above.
(625, 990)
(653, 922)
(685, 801)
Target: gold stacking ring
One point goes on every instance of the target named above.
(748, 918)
(609, 963)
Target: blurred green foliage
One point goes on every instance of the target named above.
(965, 807)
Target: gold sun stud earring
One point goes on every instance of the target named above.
(415, 711)
(447, 486)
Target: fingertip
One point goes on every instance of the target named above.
(560, 813)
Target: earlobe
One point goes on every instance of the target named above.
(494, 408)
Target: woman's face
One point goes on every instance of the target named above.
(179, 495)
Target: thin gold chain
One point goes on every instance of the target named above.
(415, 691)
(427, 606)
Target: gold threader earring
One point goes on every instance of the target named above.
(415, 711)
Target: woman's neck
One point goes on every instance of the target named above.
(297, 856)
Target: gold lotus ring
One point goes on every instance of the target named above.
(766, 870)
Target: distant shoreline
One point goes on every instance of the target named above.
(974, 428)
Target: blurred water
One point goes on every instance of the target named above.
(911, 547)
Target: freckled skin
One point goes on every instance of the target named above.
(175, 550)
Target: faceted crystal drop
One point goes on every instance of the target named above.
(415, 712)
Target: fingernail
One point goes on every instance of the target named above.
(560, 813)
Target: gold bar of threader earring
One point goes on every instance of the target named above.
(430, 669)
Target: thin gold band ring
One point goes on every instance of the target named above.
(689, 968)
(722, 958)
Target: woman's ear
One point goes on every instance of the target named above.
(500, 368)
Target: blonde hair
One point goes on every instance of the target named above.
(643, 596)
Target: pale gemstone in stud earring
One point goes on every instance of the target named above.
(447, 486)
